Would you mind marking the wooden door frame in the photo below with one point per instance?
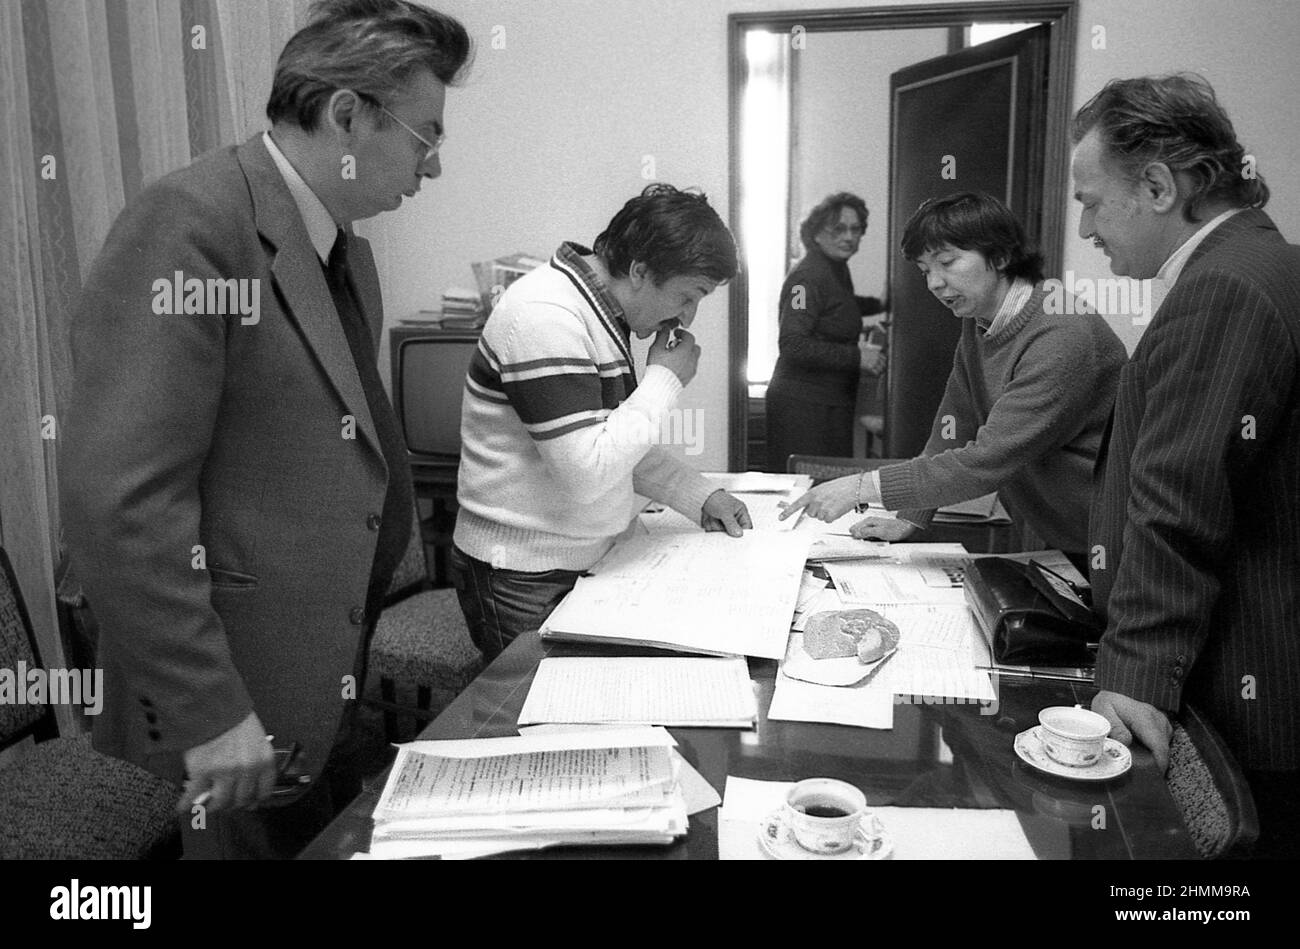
(1060, 15)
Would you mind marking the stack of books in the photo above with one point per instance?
(473, 798)
(493, 276)
(462, 309)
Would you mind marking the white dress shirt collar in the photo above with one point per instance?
(1017, 296)
(1173, 267)
(321, 228)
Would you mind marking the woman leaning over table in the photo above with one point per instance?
(814, 387)
(1032, 384)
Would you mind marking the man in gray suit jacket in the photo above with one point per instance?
(1196, 521)
(236, 490)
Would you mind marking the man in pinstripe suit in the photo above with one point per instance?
(1195, 525)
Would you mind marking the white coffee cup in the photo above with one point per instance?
(825, 814)
(1073, 736)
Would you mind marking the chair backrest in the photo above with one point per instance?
(1210, 790)
(18, 655)
(826, 467)
(412, 570)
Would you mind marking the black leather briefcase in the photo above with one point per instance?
(1030, 615)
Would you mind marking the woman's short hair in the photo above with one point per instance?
(372, 47)
(674, 233)
(973, 220)
(827, 214)
(1175, 120)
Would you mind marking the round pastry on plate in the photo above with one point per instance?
(839, 634)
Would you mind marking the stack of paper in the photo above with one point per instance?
(470, 798)
(686, 692)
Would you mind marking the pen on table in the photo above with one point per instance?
(201, 800)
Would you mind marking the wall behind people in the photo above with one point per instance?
(1246, 51)
(579, 96)
(842, 118)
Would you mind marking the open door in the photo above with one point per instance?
(970, 121)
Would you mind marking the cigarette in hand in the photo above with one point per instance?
(673, 338)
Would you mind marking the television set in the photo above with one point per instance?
(429, 366)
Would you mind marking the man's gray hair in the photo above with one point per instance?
(369, 46)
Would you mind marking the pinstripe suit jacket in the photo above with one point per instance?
(1197, 503)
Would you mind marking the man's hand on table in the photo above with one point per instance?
(235, 769)
(725, 512)
(1130, 718)
(882, 528)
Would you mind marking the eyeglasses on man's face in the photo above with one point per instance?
(431, 148)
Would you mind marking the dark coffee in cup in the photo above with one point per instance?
(824, 810)
(825, 814)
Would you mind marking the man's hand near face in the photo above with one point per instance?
(683, 359)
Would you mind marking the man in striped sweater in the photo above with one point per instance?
(1195, 523)
(559, 444)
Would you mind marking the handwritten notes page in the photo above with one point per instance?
(687, 692)
(936, 654)
(696, 592)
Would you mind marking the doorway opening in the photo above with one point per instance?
(812, 108)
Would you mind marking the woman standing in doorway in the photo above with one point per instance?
(814, 388)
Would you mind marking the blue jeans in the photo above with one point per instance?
(500, 604)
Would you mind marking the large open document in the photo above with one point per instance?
(697, 592)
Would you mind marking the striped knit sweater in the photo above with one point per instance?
(559, 445)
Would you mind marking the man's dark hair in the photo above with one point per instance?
(973, 220)
(674, 233)
(1175, 120)
(372, 47)
(827, 214)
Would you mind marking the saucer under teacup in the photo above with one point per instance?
(871, 842)
(1115, 759)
